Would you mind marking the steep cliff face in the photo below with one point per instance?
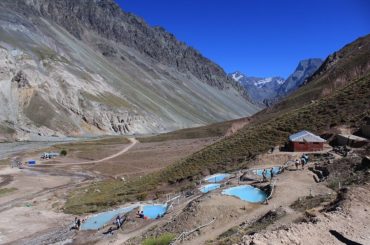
(85, 67)
(304, 70)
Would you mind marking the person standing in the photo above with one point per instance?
(264, 175)
(118, 222)
(272, 172)
(296, 164)
(78, 224)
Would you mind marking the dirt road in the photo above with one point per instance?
(132, 144)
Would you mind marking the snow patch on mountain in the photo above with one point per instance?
(237, 76)
(264, 81)
(267, 90)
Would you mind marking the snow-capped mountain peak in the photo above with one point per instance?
(262, 89)
(237, 76)
(262, 82)
(258, 88)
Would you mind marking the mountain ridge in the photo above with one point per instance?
(158, 42)
(268, 90)
(304, 69)
(89, 85)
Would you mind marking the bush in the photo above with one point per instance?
(63, 152)
(164, 239)
(141, 196)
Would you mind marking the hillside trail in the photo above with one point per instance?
(124, 150)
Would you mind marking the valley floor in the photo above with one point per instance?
(33, 198)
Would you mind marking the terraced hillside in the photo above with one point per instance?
(347, 103)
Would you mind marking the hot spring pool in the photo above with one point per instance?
(216, 178)
(275, 171)
(155, 210)
(209, 187)
(99, 220)
(246, 193)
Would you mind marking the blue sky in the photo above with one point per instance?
(258, 37)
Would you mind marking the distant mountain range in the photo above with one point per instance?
(268, 90)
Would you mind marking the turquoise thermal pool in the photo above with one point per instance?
(275, 171)
(97, 221)
(246, 193)
(209, 187)
(217, 178)
(154, 211)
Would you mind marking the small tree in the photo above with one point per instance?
(141, 196)
(63, 152)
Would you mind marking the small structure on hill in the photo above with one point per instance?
(350, 140)
(365, 129)
(305, 141)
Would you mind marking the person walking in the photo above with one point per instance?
(303, 161)
(296, 164)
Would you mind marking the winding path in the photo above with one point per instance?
(124, 150)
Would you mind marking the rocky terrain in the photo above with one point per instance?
(88, 68)
(269, 90)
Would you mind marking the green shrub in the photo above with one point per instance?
(141, 196)
(164, 239)
(63, 152)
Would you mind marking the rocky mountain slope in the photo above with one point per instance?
(86, 67)
(269, 90)
(339, 69)
(304, 70)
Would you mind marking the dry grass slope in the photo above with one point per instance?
(213, 130)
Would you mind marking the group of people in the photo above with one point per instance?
(118, 222)
(264, 174)
(76, 224)
(140, 214)
(303, 161)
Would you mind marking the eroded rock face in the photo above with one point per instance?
(108, 20)
(87, 68)
(21, 80)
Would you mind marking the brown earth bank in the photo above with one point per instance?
(348, 223)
